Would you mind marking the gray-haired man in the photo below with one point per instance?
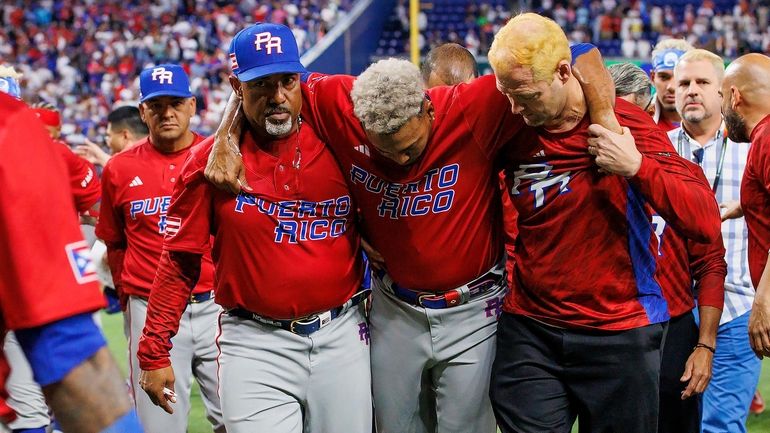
(633, 85)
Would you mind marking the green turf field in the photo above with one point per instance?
(113, 328)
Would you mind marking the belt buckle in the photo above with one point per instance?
(305, 321)
(192, 299)
(422, 296)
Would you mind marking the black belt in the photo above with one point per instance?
(197, 298)
(303, 325)
(451, 298)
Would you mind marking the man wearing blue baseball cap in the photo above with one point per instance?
(136, 192)
(294, 340)
(664, 57)
(9, 81)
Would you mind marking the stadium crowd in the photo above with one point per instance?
(626, 28)
(629, 28)
(85, 57)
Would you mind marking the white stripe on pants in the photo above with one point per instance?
(194, 354)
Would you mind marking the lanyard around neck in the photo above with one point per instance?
(721, 157)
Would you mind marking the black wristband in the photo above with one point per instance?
(705, 346)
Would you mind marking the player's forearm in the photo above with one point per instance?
(175, 279)
(115, 256)
(709, 324)
(683, 199)
(598, 88)
(708, 269)
(91, 397)
(229, 131)
(762, 294)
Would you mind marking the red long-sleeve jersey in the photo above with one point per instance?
(585, 256)
(681, 262)
(755, 199)
(285, 250)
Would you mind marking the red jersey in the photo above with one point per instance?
(288, 248)
(682, 262)
(46, 271)
(666, 125)
(755, 198)
(510, 230)
(585, 253)
(136, 193)
(436, 222)
(86, 188)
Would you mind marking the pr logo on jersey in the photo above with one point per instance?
(79, 256)
(539, 177)
(173, 224)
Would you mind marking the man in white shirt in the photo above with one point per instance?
(703, 140)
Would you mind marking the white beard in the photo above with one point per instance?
(278, 129)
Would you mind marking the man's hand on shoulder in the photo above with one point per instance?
(225, 165)
(615, 153)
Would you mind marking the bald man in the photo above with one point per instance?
(447, 65)
(746, 109)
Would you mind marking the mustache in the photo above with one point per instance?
(276, 110)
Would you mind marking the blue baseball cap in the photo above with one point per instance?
(666, 60)
(164, 80)
(10, 86)
(264, 49)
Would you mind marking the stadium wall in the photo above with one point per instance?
(346, 49)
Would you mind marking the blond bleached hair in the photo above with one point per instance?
(9, 72)
(696, 55)
(387, 94)
(530, 40)
(671, 44)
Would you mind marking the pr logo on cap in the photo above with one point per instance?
(270, 42)
(164, 80)
(264, 49)
(162, 75)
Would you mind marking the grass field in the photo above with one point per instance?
(113, 328)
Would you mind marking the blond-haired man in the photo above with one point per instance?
(575, 339)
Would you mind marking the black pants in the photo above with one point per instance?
(544, 377)
(677, 415)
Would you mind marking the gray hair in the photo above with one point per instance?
(630, 79)
(386, 95)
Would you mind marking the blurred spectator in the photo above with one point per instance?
(124, 128)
